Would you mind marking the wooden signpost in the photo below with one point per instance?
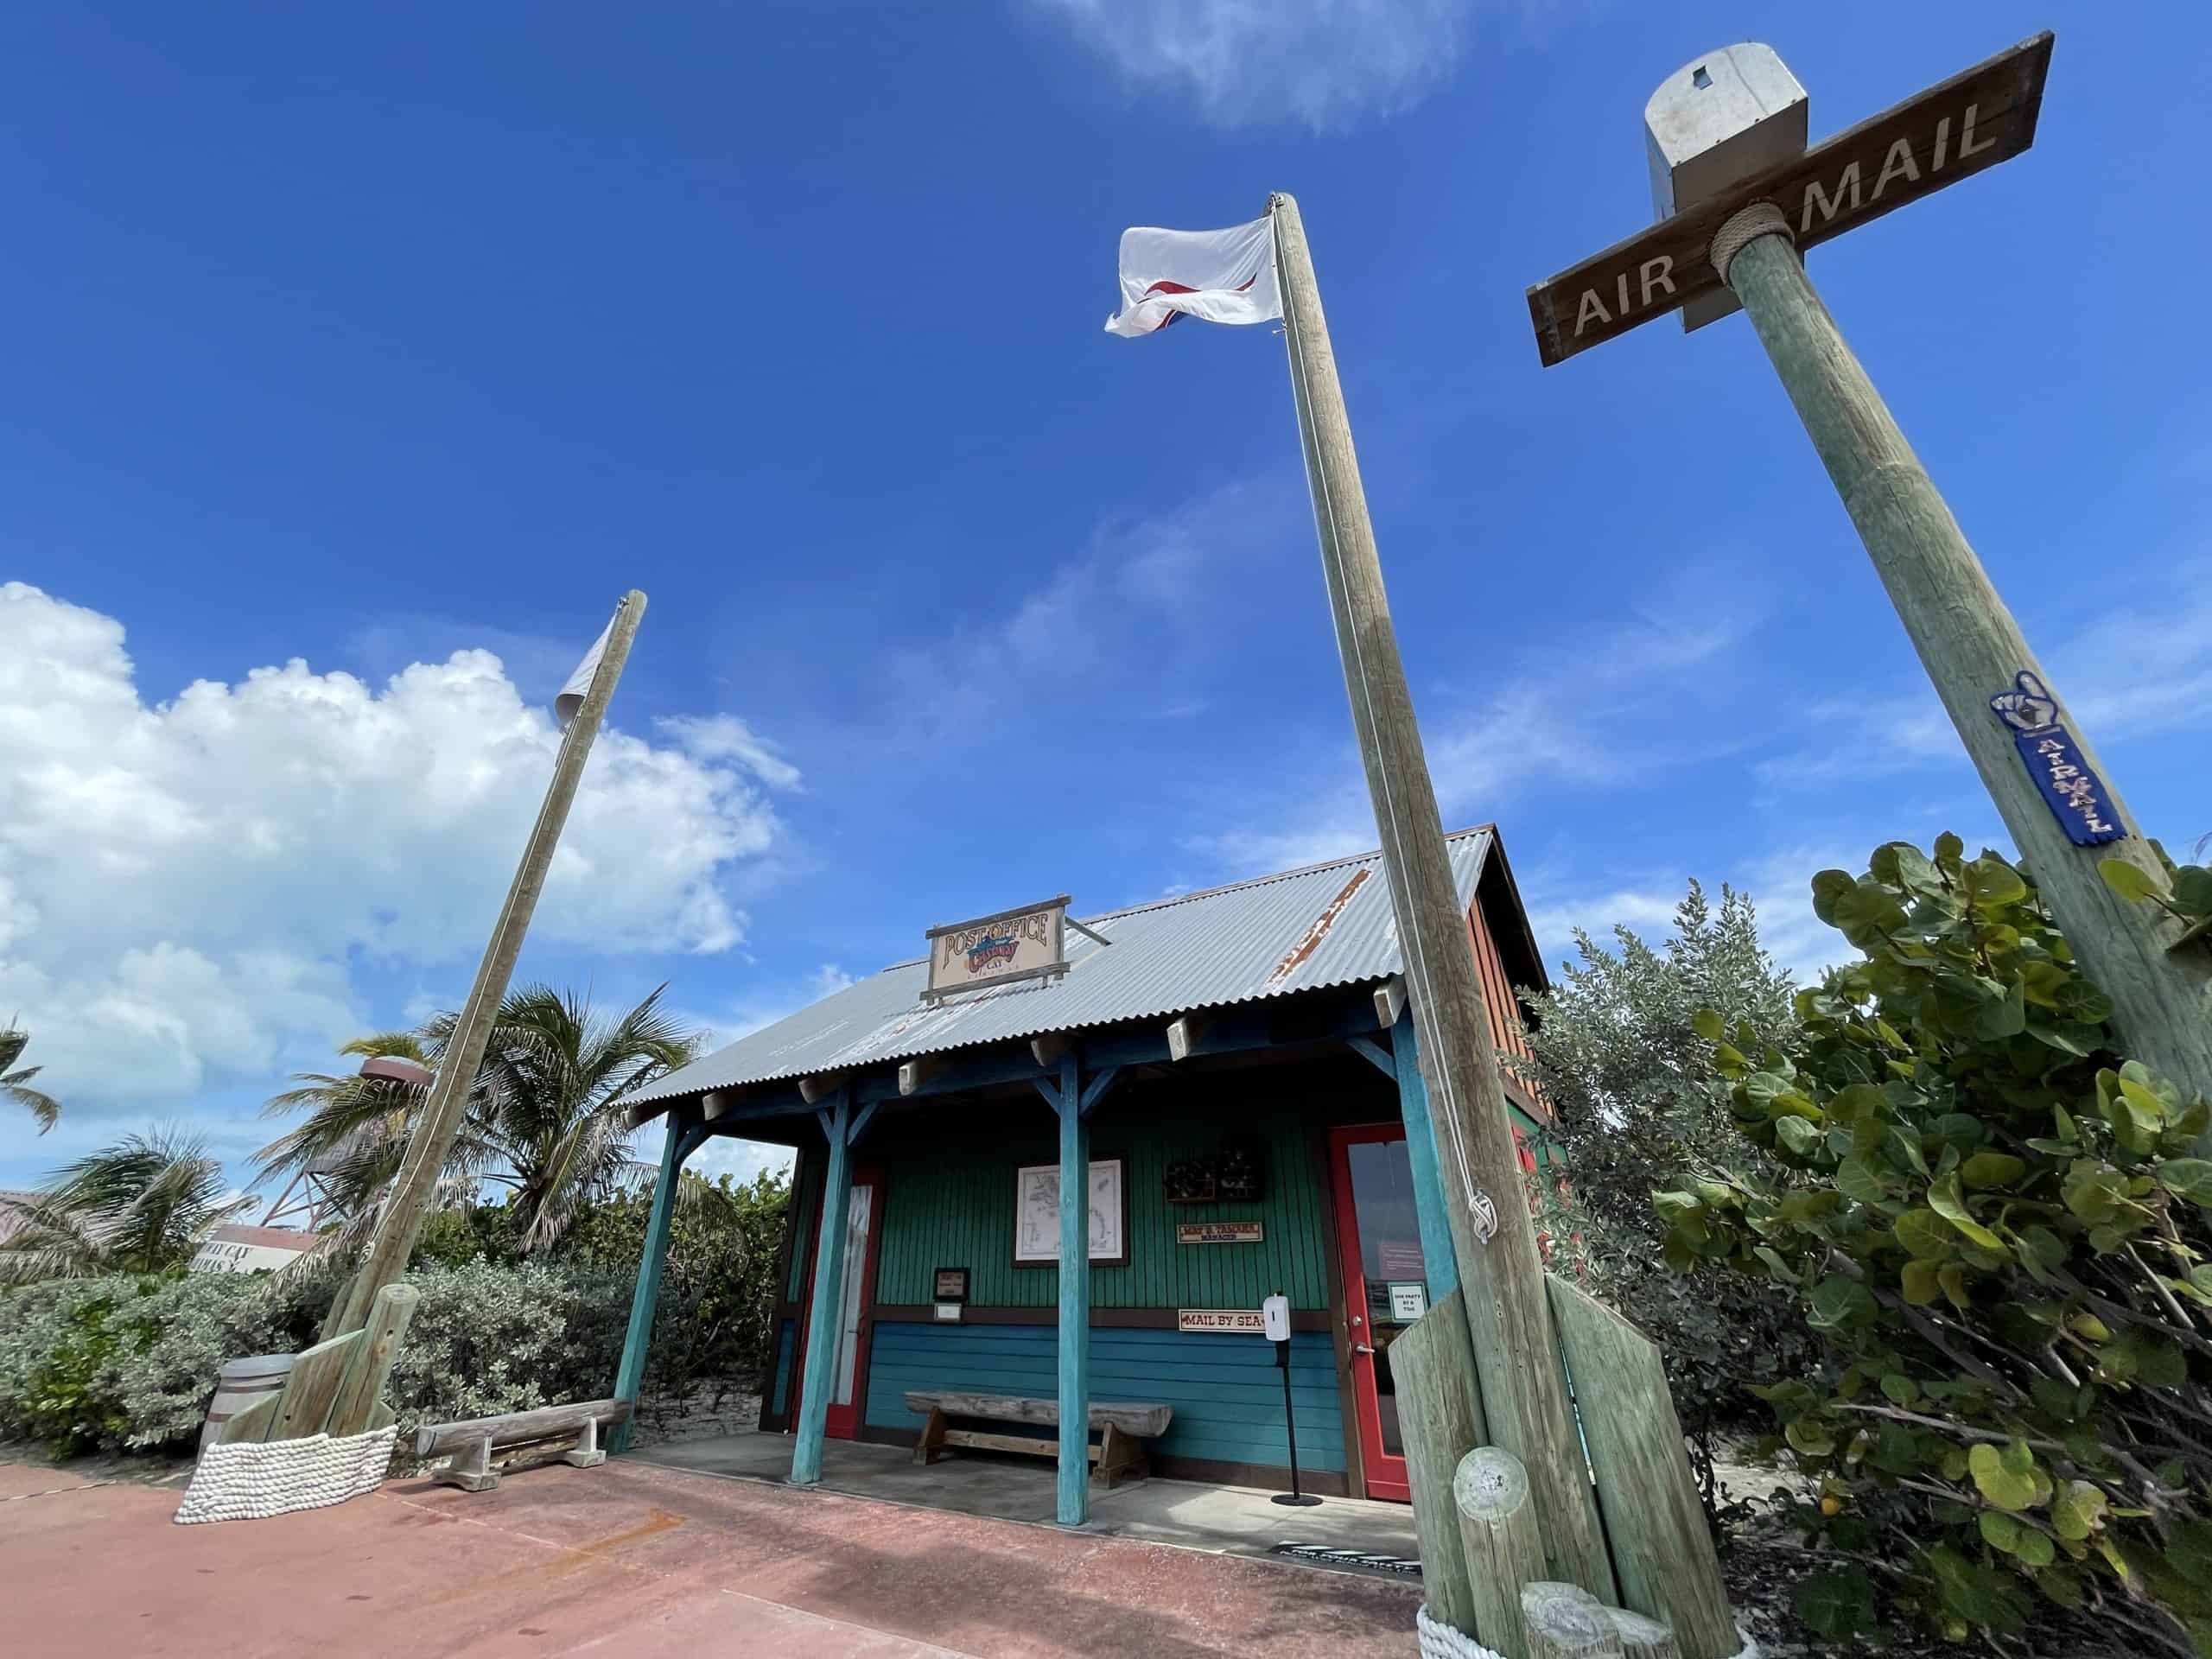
(2037, 765)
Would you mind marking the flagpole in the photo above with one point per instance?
(401, 1223)
(1501, 1272)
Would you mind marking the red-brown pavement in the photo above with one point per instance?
(629, 1559)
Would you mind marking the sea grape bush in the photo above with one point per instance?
(1996, 1224)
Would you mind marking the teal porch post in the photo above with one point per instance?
(1075, 1303)
(683, 1140)
(829, 1288)
(1443, 1267)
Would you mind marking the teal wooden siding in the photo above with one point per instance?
(950, 1178)
(779, 1371)
(1225, 1389)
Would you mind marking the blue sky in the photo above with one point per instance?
(359, 358)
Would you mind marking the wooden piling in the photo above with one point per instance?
(1663, 1557)
(1565, 1621)
(1502, 1536)
(1440, 1416)
(362, 1386)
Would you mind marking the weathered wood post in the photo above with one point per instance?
(1440, 1411)
(681, 1139)
(1740, 231)
(1565, 1621)
(401, 1223)
(1499, 1529)
(1501, 1271)
(828, 1291)
(1429, 1211)
(1662, 1551)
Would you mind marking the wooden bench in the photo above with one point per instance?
(1125, 1427)
(476, 1438)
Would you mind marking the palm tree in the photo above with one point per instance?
(143, 1205)
(14, 1083)
(548, 1119)
(545, 1120)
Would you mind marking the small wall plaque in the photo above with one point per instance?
(1244, 1321)
(952, 1285)
(1220, 1232)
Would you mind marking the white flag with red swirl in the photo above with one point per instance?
(1216, 276)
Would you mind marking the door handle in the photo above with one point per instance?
(1362, 1348)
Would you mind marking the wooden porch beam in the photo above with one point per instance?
(1390, 1001)
(914, 1073)
(1374, 1053)
(1095, 1088)
(1185, 1035)
(816, 1089)
(1048, 1049)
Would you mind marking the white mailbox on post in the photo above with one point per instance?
(1717, 120)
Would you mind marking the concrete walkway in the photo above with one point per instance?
(1230, 1520)
(631, 1559)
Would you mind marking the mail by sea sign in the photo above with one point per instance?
(1222, 1321)
(1015, 945)
(2071, 788)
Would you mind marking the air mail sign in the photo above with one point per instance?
(1015, 945)
(1969, 123)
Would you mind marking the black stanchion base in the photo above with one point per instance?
(1301, 1500)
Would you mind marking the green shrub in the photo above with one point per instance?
(1634, 1095)
(1999, 1232)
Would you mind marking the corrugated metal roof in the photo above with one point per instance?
(1303, 930)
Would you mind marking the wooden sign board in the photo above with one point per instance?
(951, 1285)
(1220, 1232)
(1235, 1321)
(1030, 942)
(1967, 123)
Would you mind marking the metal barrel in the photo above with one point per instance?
(242, 1383)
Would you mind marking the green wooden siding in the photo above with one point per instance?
(949, 1181)
(1225, 1390)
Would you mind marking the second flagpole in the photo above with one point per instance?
(1501, 1271)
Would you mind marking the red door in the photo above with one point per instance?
(852, 1321)
(1379, 1244)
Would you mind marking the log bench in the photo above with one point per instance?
(1126, 1426)
(472, 1442)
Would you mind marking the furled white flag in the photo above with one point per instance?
(1219, 276)
(570, 698)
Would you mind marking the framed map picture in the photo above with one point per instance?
(1036, 1214)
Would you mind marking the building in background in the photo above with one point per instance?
(1253, 1139)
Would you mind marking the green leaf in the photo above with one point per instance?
(1950, 849)
(1945, 1198)
(1953, 1278)
(1799, 1136)
(1994, 884)
(1924, 1234)
(1835, 1604)
(1856, 1178)
(1827, 886)
(1999, 1529)
(2034, 1547)
(1899, 1389)
(1997, 1485)
(1706, 1023)
(2126, 879)
(1987, 1169)
(2078, 1510)
(2193, 890)
(2188, 1178)
(1920, 1285)
(1809, 1436)
(1837, 1301)
(2007, 1017)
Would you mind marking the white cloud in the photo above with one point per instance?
(725, 1155)
(761, 1008)
(1324, 63)
(725, 737)
(185, 884)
